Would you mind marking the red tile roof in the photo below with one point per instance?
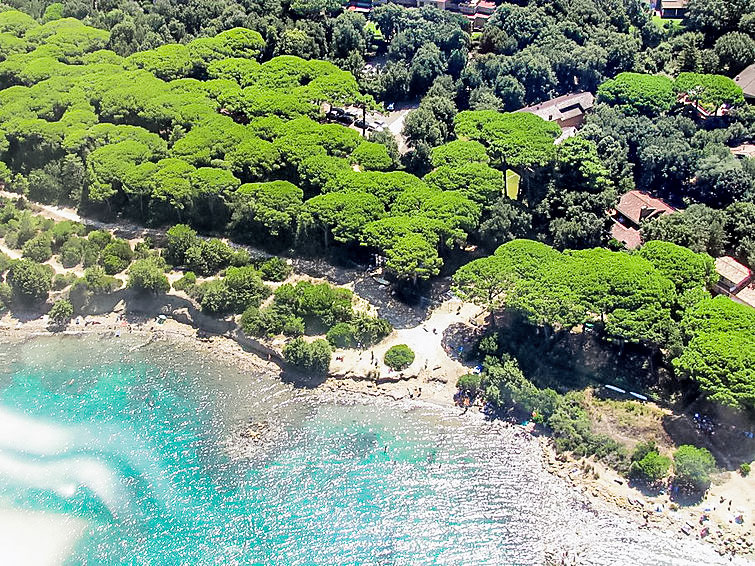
(630, 237)
(638, 206)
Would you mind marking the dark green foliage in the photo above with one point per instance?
(30, 282)
(647, 464)
(146, 275)
(237, 291)
(399, 357)
(693, 466)
(719, 346)
(62, 280)
(186, 282)
(637, 93)
(311, 357)
(275, 269)
(341, 335)
(61, 312)
(116, 256)
(470, 383)
(179, 239)
(207, 257)
(38, 248)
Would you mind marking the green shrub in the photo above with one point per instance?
(187, 281)
(63, 280)
(6, 295)
(693, 466)
(31, 282)
(4, 262)
(38, 248)
(116, 256)
(100, 238)
(275, 269)
(240, 258)
(399, 357)
(744, 469)
(470, 383)
(311, 357)
(179, 239)
(61, 312)
(65, 230)
(72, 252)
(651, 467)
(98, 282)
(341, 335)
(293, 326)
(207, 257)
(369, 330)
(146, 275)
(265, 322)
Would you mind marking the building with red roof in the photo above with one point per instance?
(634, 208)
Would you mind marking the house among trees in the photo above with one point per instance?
(735, 280)
(673, 8)
(568, 111)
(746, 81)
(634, 208)
(476, 11)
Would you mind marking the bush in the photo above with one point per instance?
(240, 258)
(399, 357)
(311, 357)
(6, 295)
(145, 275)
(98, 282)
(369, 330)
(342, 335)
(693, 466)
(72, 251)
(207, 257)
(266, 322)
(116, 256)
(275, 269)
(39, 248)
(31, 282)
(63, 280)
(652, 467)
(100, 238)
(65, 230)
(744, 469)
(179, 239)
(61, 312)
(186, 282)
(470, 383)
(293, 326)
(5, 262)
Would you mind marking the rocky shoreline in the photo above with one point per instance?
(601, 486)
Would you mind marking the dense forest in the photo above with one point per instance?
(212, 114)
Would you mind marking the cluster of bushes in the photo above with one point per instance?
(308, 308)
(312, 357)
(202, 257)
(503, 385)
(240, 289)
(40, 238)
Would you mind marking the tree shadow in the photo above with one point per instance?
(301, 380)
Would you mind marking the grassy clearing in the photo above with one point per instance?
(512, 184)
(628, 422)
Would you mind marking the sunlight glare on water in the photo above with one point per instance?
(137, 458)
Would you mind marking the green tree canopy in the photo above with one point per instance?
(638, 93)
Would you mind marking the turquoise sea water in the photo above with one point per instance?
(145, 447)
